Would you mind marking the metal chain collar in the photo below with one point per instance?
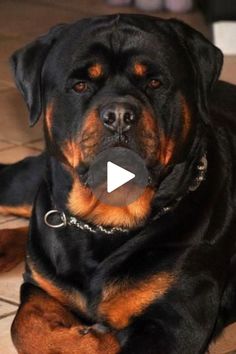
(201, 170)
(73, 221)
(65, 220)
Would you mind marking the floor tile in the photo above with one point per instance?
(5, 145)
(6, 308)
(14, 223)
(10, 283)
(5, 338)
(16, 153)
(14, 119)
(226, 342)
(4, 85)
(4, 219)
(38, 145)
(229, 69)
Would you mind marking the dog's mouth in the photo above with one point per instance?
(94, 141)
(143, 140)
(125, 207)
(154, 171)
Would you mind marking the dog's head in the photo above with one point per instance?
(123, 80)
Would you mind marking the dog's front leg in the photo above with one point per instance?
(182, 322)
(43, 326)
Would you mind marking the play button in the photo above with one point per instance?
(117, 176)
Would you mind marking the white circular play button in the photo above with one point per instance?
(118, 176)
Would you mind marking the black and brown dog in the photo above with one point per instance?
(168, 285)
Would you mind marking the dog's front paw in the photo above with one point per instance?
(12, 247)
(97, 339)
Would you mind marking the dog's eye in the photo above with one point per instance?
(80, 87)
(154, 84)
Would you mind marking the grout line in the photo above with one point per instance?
(17, 143)
(9, 301)
(34, 148)
(5, 89)
(35, 140)
(8, 219)
(7, 148)
(13, 146)
(7, 315)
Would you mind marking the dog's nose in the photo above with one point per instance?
(118, 117)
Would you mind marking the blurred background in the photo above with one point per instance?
(23, 20)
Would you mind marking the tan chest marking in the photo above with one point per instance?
(121, 302)
(73, 299)
(83, 203)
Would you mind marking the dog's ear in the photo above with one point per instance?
(207, 60)
(27, 64)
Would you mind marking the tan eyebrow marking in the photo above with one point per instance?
(95, 71)
(140, 69)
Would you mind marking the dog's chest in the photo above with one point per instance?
(105, 291)
(114, 303)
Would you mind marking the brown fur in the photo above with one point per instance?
(123, 301)
(166, 151)
(72, 153)
(140, 69)
(73, 299)
(85, 144)
(147, 133)
(12, 247)
(186, 117)
(90, 136)
(95, 71)
(155, 144)
(83, 203)
(53, 329)
(49, 119)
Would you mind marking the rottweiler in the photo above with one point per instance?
(156, 276)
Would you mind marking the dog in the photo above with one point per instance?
(157, 276)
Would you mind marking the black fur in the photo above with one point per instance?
(195, 241)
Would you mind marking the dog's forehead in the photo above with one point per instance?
(117, 42)
(117, 34)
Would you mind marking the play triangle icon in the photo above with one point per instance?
(117, 176)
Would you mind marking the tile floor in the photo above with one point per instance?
(20, 22)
